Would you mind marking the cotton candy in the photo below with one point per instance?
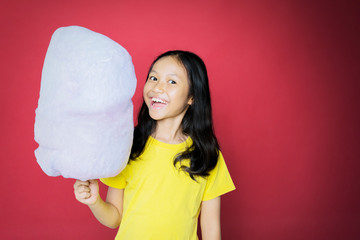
(84, 119)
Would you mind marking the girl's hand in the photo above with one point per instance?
(87, 192)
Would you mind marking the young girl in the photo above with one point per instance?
(176, 170)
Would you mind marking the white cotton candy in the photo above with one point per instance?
(84, 120)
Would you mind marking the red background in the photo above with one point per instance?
(284, 78)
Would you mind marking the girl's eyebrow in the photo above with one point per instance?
(173, 74)
(170, 74)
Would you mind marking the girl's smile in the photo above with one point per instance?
(166, 91)
(158, 103)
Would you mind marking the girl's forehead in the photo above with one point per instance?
(168, 63)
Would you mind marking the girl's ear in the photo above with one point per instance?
(190, 101)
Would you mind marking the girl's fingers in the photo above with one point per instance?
(79, 183)
(92, 181)
(84, 195)
(82, 188)
(85, 191)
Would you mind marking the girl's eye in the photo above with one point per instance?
(172, 82)
(152, 78)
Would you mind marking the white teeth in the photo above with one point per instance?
(157, 100)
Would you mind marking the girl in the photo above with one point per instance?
(175, 169)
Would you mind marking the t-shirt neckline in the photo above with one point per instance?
(187, 142)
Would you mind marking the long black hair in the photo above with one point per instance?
(197, 122)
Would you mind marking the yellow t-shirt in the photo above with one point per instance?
(161, 201)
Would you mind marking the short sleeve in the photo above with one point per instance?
(119, 181)
(219, 181)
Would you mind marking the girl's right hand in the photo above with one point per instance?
(87, 192)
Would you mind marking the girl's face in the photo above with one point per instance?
(166, 91)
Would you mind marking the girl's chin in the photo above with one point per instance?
(156, 117)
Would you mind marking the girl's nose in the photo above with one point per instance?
(159, 87)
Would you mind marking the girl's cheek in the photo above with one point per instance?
(145, 89)
(145, 92)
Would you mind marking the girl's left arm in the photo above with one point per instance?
(210, 219)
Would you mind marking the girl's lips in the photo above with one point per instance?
(158, 103)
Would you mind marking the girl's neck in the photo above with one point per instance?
(168, 132)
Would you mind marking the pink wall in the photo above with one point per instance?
(285, 84)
